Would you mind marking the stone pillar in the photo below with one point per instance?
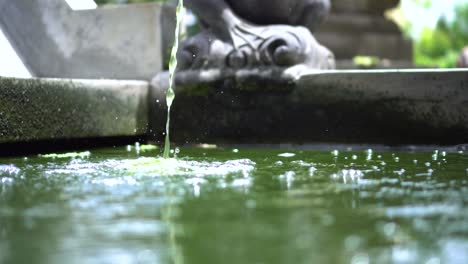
(358, 27)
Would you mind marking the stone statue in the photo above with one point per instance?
(253, 34)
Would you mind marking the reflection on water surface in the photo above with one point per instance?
(235, 206)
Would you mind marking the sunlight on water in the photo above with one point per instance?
(214, 205)
(171, 167)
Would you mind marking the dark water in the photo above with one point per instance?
(227, 206)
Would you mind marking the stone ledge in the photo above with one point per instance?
(368, 106)
(52, 109)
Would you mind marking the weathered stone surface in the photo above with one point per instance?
(389, 107)
(232, 39)
(53, 109)
(116, 42)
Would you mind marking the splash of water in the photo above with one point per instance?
(170, 95)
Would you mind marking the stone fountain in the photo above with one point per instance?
(256, 74)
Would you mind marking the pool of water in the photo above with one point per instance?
(226, 205)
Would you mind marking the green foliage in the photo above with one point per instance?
(366, 61)
(440, 47)
(423, 3)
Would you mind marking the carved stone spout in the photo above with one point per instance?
(253, 34)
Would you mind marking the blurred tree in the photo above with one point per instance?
(434, 46)
(423, 3)
(440, 47)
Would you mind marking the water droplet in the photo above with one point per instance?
(250, 204)
(289, 177)
(286, 155)
(196, 190)
(328, 219)
(312, 171)
(243, 182)
(6, 180)
(352, 243)
(9, 169)
(146, 256)
(433, 260)
(137, 148)
(354, 157)
(360, 258)
(389, 229)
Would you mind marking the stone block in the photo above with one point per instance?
(377, 106)
(54, 109)
(115, 42)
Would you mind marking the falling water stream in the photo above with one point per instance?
(170, 95)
